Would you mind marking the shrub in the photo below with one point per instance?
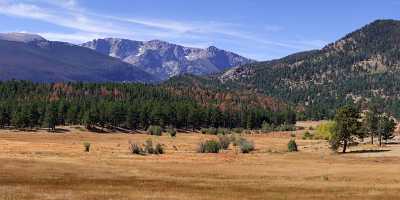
(209, 146)
(325, 130)
(86, 145)
(246, 146)
(292, 146)
(136, 149)
(286, 127)
(307, 136)
(223, 131)
(155, 130)
(212, 131)
(148, 146)
(158, 149)
(266, 127)
(224, 141)
(237, 130)
(203, 130)
(171, 132)
(235, 139)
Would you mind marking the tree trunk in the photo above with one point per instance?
(344, 146)
(372, 138)
(380, 139)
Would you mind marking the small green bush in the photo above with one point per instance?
(266, 127)
(86, 145)
(292, 146)
(325, 131)
(136, 149)
(158, 149)
(155, 130)
(209, 146)
(171, 132)
(286, 127)
(246, 146)
(148, 146)
(237, 130)
(212, 131)
(223, 131)
(307, 136)
(224, 141)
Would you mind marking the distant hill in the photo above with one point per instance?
(166, 60)
(361, 67)
(31, 57)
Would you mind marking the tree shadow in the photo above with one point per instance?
(60, 130)
(369, 151)
(96, 130)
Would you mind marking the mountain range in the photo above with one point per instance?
(165, 60)
(32, 57)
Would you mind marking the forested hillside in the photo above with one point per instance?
(363, 66)
(132, 106)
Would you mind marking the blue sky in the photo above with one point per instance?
(259, 29)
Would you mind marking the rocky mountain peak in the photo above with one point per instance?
(21, 37)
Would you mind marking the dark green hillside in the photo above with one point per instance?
(362, 66)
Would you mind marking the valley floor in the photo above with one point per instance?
(41, 165)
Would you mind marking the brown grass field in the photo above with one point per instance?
(41, 165)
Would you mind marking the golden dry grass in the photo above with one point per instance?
(44, 166)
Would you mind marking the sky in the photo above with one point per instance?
(258, 29)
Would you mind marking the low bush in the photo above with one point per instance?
(292, 146)
(224, 141)
(223, 131)
(266, 127)
(286, 127)
(159, 149)
(209, 146)
(155, 130)
(136, 149)
(246, 146)
(171, 132)
(325, 131)
(212, 131)
(307, 136)
(148, 146)
(86, 146)
(237, 130)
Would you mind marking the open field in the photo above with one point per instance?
(41, 165)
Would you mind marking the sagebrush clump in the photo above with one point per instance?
(86, 146)
(246, 146)
(292, 146)
(155, 130)
(136, 149)
(209, 146)
(148, 148)
(224, 141)
(171, 132)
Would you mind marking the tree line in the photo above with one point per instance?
(351, 126)
(27, 105)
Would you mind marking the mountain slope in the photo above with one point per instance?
(361, 67)
(166, 60)
(46, 61)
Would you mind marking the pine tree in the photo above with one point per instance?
(347, 126)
